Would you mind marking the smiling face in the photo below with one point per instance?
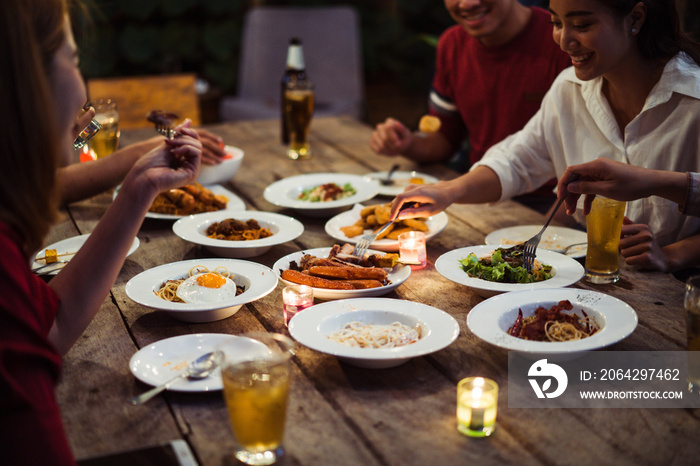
(490, 21)
(598, 43)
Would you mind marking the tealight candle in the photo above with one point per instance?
(477, 400)
(412, 248)
(296, 298)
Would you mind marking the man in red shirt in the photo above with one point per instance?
(492, 70)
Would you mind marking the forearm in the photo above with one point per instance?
(683, 254)
(670, 185)
(86, 280)
(428, 148)
(83, 180)
(478, 186)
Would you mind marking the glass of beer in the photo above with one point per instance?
(298, 110)
(604, 224)
(256, 390)
(692, 316)
(107, 139)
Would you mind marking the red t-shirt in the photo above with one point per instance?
(491, 92)
(30, 422)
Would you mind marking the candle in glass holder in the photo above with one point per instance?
(477, 399)
(412, 248)
(296, 298)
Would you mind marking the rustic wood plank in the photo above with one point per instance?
(340, 414)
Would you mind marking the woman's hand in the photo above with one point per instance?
(639, 248)
(174, 163)
(212, 147)
(82, 120)
(432, 199)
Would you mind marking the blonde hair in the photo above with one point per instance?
(31, 32)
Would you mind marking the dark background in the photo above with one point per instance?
(143, 37)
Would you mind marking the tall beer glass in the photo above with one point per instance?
(256, 389)
(298, 110)
(604, 224)
(107, 139)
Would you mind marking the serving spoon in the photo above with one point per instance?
(388, 181)
(200, 368)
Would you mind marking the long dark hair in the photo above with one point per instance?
(31, 32)
(661, 35)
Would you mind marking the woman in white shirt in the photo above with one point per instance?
(632, 95)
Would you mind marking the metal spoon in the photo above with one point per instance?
(200, 368)
(571, 246)
(388, 181)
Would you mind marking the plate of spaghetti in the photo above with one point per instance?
(201, 290)
(374, 333)
(552, 321)
(238, 234)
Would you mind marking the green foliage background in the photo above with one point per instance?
(139, 37)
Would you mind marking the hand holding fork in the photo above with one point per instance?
(532, 243)
(365, 242)
(164, 122)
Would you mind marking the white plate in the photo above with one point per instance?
(491, 319)
(157, 363)
(312, 326)
(257, 279)
(396, 276)
(224, 171)
(71, 245)
(567, 271)
(401, 180)
(553, 238)
(436, 224)
(234, 202)
(194, 227)
(285, 192)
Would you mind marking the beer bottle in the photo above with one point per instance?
(295, 73)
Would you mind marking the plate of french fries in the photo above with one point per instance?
(362, 220)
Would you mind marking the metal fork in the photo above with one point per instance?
(365, 242)
(532, 243)
(166, 130)
(163, 122)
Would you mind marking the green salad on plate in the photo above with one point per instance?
(505, 265)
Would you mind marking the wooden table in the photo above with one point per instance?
(340, 414)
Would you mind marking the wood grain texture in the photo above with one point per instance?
(340, 414)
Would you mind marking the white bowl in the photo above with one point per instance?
(396, 276)
(223, 172)
(435, 224)
(194, 227)
(400, 179)
(491, 319)
(285, 192)
(312, 326)
(257, 280)
(566, 271)
(68, 246)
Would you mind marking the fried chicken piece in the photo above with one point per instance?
(183, 202)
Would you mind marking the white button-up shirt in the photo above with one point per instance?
(575, 124)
